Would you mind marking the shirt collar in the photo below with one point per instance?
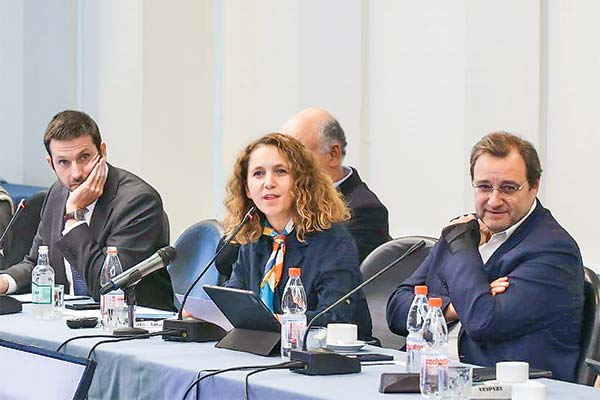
(511, 229)
(347, 174)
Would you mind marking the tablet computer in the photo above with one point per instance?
(243, 308)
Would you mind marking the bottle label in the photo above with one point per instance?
(435, 361)
(292, 333)
(41, 294)
(414, 346)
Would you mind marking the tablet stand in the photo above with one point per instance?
(9, 305)
(262, 343)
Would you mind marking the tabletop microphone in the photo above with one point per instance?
(196, 330)
(329, 363)
(134, 275)
(20, 207)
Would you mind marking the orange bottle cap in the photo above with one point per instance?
(421, 289)
(295, 272)
(435, 301)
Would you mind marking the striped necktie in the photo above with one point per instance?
(79, 286)
(274, 265)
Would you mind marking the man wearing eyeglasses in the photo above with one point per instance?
(509, 274)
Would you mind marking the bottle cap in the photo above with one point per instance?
(111, 250)
(295, 272)
(435, 301)
(43, 249)
(421, 289)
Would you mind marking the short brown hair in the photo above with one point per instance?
(499, 144)
(68, 125)
(318, 205)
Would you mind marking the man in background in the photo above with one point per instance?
(93, 205)
(322, 134)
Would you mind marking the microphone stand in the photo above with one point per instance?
(326, 363)
(193, 329)
(130, 330)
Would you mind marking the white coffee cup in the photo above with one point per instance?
(512, 371)
(341, 334)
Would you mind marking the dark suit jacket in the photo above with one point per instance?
(537, 319)
(369, 225)
(128, 215)
(329, 265)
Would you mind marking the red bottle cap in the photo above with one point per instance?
(435, 302)
(421, 289)
(295, 272)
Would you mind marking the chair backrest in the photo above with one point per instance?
(195, 247)
(20, 237)
(590, 329)
(379, 291)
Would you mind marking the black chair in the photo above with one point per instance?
(590, 330)
(20, 237)
(379, 291)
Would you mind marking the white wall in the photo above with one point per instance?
(571, 173)
(179, 87)
(11, 94)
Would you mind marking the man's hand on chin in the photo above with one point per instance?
(3, 285)
(484, 232)
(91, 189)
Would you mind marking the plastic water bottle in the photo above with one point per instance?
(434, 357)
(293, 322)
(414, 325)
(112, 304)
(42, 287)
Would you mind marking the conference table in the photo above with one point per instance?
(156, 369)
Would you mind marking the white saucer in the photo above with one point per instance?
(346, 347)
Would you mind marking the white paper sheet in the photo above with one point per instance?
(206, 310)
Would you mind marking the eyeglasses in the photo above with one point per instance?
(507, 189)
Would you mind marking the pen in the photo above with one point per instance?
(365, 363)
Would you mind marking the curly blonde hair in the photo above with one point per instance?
(318, 205)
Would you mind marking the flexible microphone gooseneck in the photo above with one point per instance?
(20, 207)
(323, 363)
(10, 305)
(192, 329)
(247, 217)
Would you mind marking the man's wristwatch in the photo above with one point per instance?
(77, 215)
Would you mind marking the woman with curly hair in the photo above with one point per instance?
(297, 225)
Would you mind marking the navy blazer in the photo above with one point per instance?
(329, 263)
(538, 318)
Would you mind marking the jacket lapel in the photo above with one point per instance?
(493, 265)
